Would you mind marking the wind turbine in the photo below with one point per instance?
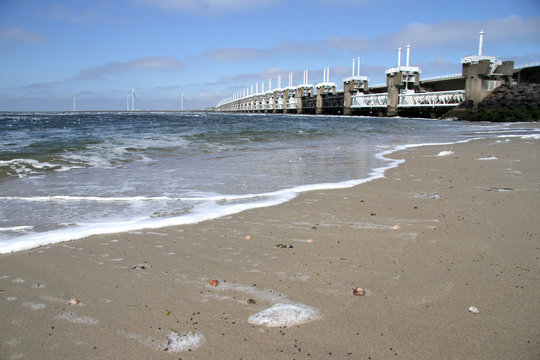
(73, 95)
(133, 99)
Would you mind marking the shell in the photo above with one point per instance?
(251, 301)
(214, 282)
(74, 302)
(249, 237)
(359, 291)
(474, 310)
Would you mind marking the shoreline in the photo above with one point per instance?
(434, 236)
(269, 199)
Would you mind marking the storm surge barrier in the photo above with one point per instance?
(404, 94)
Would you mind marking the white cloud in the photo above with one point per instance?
(16, 34)
(203, 6)
(155, 63)
(348, 43)
(461, 34)
(234, 54)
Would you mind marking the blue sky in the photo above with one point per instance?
(209, 49)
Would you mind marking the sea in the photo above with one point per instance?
(67, 176)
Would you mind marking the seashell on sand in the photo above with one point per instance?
(359, 291)
(474, 310)
(74, 302)
(214, 283)
(249, 237)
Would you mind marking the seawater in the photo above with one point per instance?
(66, 176)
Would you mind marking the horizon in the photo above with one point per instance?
(101, 52)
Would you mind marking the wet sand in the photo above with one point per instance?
(437, 235)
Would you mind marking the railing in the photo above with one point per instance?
(370, 100)
(432, 99)
(292, 103)
(441, 77)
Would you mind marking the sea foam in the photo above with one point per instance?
(284, 315)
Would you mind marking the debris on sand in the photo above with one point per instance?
(283, 246)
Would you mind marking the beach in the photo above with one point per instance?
(446, 247)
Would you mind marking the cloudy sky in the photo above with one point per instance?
(208, 49)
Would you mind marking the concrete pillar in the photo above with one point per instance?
(319, 104)
(299, 93)
(394, 83)
(351, 86)
(474, 74)
(285, 100)
(322, 90)
(348, 88)
(482, 74)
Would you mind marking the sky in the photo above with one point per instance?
(98, 51)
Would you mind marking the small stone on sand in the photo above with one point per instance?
(474, 310)
(249, 237)
(74, 302)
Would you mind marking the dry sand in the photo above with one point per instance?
(437, 235)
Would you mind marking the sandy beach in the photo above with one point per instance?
(453, 227)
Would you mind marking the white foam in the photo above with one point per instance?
(488, 158)
(445, 153)
(531, 136)
(183, 342)
(33, 306)
(175, 342)
(524, 137)
(16, 228)
(284, 315)
(213, 206)
(25, 167)
(73, 318)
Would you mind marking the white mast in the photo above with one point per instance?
(399, 57)
(408, 53)
(481, 43)
(73, 98)
(353, 63)
(358, 67)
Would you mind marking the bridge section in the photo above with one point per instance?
(404, 93)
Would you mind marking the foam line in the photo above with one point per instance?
(211, 208)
